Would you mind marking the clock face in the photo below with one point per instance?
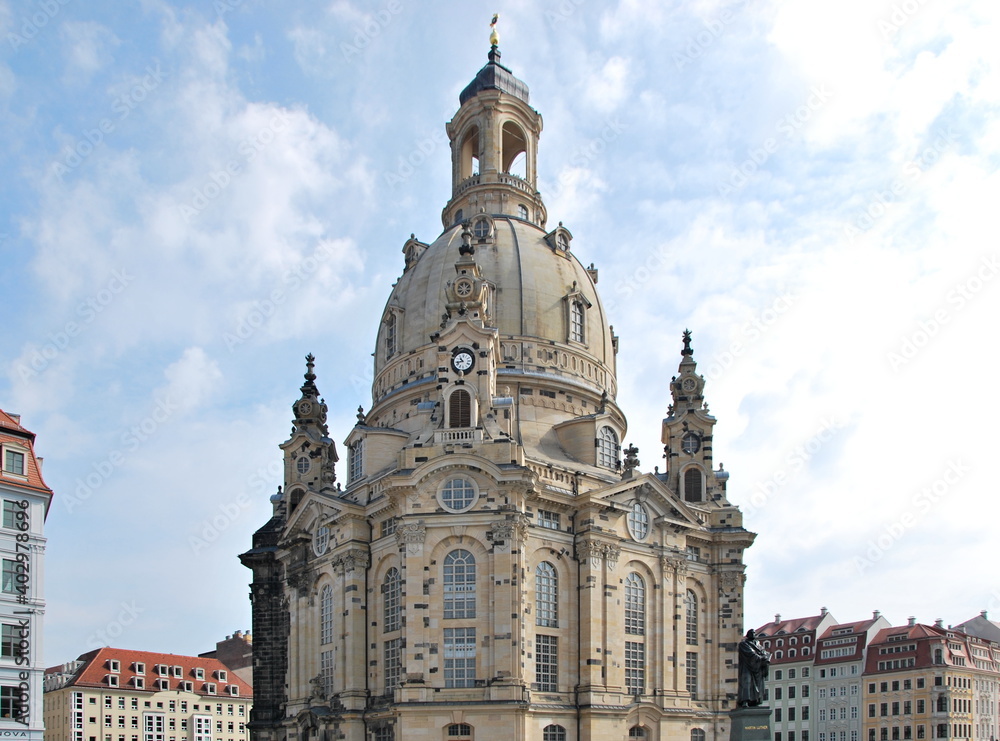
(689, 384)
(690, 443)
(462, 361)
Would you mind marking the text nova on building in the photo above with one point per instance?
(494, 567)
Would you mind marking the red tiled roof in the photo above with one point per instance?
(11, 431)
(95, 670)
(791, 626)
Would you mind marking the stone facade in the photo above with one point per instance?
(496, 565)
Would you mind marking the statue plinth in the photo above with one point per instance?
(751, 724)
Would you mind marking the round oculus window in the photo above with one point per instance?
(458, 495)
(638, 522)
(481, 229)
(463, 288)
(321, 540)
(690, 443)
(302, 465)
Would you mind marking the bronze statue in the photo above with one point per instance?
(753, 665)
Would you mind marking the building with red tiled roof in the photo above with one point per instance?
(930, 682)
(114, 694)
(792, 645)
(838, 665)
(25, 499)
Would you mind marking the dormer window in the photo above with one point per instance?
(199, 673)
(114, 665)
(139, 667)
(178, 672)
(210, 688)
(576, 332)
(357, 459)
(221, 675)
(112, 680)
(13, 462)
(163, 670)
(234, 690)
(607, 448)
(390, 335)
(139, 683)
(481, 228)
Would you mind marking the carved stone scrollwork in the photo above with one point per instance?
(611, 554)
(356, 558)
(672, 564)
(592, 550)
(510, 530)
(301, 580)
(732, 579)
(411, 536)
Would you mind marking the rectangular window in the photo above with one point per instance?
(153, 726)
(459, 657)
(12, 514)
(805, 712)
(854, 712)
(777, 715)
(895, 708)
(9, 583)
(393, 656)
(547, 663)
(791, 714)
(907, 707)
(691, 673)
(548, 519)
(325, 671)
(883, 709)
(895, 733)
(202, 728)
(920, 683)
(635, 667)
(791, 692)
(10, 702)
(14, 462)
(871, 710)
(777, 693)
(920, 732)
(10, 641)
(920, 707)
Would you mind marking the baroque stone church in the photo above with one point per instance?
(495, 565)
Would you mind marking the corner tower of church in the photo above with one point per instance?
(492, 564)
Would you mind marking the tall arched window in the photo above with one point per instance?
(553, 733)
(697, 734)
(392, 593)
(390, 336)
(691, 613)
(607, 448)
(576, 326)
(637, 732)
(692, 485)
(459, 732)
(546, 595)
(459, 585)
(460, 409)
(635, 605)
(326, 615)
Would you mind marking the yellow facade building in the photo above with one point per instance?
(113, 694)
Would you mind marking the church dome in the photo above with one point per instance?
(543, 302)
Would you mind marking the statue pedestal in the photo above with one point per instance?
(751, 724)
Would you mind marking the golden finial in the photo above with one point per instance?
(494, 36)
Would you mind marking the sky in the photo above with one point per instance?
(196, 195)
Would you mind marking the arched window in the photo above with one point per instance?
(553, 733)
(384, 734)
(635, 605)
(697, 734)
(515, 147)
(460, 409)
(326, 615)
(392, 594)
(390, 336)
(691, 613)
(470, 154)
(357, 459)
(576, 325)
(637, 732)
(522, 212)
(546, 596)
(692, 485)
(607, 448)
(459, 585)
(459, 732)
